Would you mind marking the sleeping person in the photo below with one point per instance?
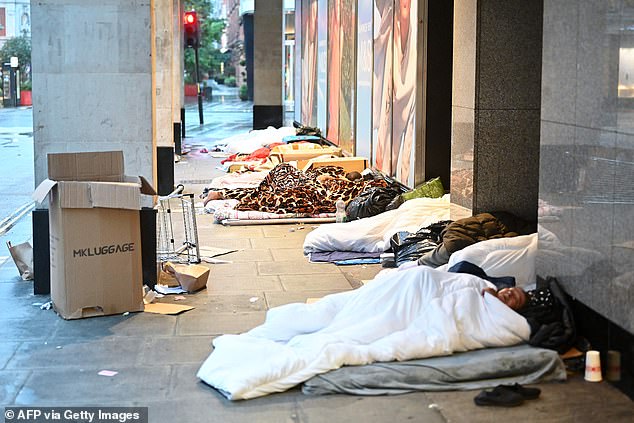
(287, 189)
(547, 311)
(418, 313)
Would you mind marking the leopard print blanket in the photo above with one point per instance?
(287, 189)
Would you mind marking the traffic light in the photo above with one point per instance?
(192, 30)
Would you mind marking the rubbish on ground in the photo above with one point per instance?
(37, 304)
(212, 260)
(166, 290)
(179, 298)
(59, 347)
(126, 313)
(215, 251)
(191, 277)
(253, 299)
(204, 150)
(108, 373)
(22, 255)
(46, 306)
(165, 308)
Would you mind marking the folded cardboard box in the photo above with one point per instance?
(95, 235)
(190, 277)
(349, 164)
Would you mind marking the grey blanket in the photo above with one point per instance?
(478, 369)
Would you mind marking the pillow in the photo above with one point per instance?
(513, 256)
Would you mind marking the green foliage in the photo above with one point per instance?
(20, 47)
(243, 92)
(25, 85)
(209, 55)
(230, 81)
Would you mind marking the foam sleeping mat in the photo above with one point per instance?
(477, 369)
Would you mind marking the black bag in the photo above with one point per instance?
(370, 202)
(409, 246)
(554, 328)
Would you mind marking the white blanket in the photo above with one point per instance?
(372, 234)
(417, 313)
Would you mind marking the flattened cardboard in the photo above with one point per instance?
(166, 308)
(93, 166)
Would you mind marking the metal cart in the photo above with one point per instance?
(175, 242)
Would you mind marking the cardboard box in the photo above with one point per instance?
(349, 164)
(95, 234)
(303, 151)
(190, 277)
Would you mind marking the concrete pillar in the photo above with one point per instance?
(267, 51)
(496, 105)
(92, 80)
(166, 38)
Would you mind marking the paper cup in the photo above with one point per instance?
(613, 373)
(593, 367)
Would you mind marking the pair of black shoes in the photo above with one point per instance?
(507, 395)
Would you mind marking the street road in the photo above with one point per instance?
(16, 176)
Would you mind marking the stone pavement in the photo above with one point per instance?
(47, 361)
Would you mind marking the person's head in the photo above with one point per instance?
(513, 297)
(353, 176)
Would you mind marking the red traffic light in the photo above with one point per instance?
(191, 29)
(190, 18)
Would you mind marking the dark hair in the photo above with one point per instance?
(354, 175)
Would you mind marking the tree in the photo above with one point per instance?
(211, 29)
(20, 47)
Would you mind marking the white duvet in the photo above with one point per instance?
(373, 234)
(417, 313)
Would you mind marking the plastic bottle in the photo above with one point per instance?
(340, 215)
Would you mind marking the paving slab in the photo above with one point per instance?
(77, 353)
(572, 401)
(7, 350)
(288, 241)
(275, 299)
(176, 349)
(11, 382)
(133, 324)
(280, 254)
(243, 283)
(25, 330)
(198, 322)
(230, 270)
(263, 254)
(335, 282)
(224, 302)
(132, 386)
(296, 267)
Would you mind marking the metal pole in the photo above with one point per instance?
(200, 97)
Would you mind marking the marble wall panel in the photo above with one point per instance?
(507, 170)
(559, 60)
(509, 54)
(595, 194)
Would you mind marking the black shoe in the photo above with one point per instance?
(500, 397)
(526, 393)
